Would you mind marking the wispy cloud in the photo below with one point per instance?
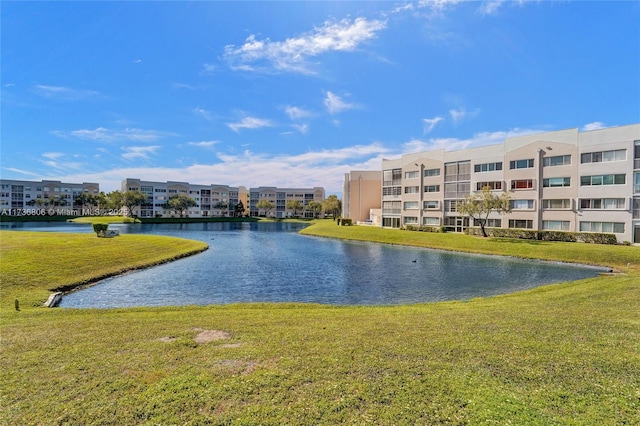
(302, 128)
(103, 134)
(430, 123)
(292, 55)
(203, 144)
(63, 93)
(143, 152)
(596, 125)
(201, 112)
(335, 104)
(460, 114)
(296, 113)
(250, 123)
(478, 139)
(20, 171)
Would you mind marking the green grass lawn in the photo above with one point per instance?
(561, 354)
(104, 219)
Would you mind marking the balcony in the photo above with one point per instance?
(636, 163)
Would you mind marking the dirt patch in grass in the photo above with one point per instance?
(210, 335)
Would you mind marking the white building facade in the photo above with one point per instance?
(211, 200)
(565, 180)
(49, 197)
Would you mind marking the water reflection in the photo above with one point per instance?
(271, 262)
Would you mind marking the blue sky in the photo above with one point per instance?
(295, 94)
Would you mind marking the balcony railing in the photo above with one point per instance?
(636, 213)
(636, 163)
(391, 211)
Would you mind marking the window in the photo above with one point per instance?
(432, 188)
(522, 184)
(457, 171)
(558, 160)
(432, 221)
(487, 167)
(556, 182)
(602, 203)
(430, 205)
(603, 180)
(604, 156)
(411, 205)
(160, 190)
(432, 172)
(490, 223)
(608, 227)
(521, 204)
(495, 185)
(457, 190)
(521, 223)
(391, 207)
(392, 190)
(392, 177)
(559, 204)
(411, 189)
(411, 175)
(410, 220)
(521, 164)
(555, 225)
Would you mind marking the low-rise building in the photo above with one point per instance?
(361, 193)
(210, 200)
(279, 198)
(49, 197)
(564, 180)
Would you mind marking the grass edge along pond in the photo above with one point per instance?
(559, 354)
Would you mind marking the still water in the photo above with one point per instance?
(271, 262)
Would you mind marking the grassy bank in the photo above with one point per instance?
(559, 354)
(36, 263)
(104, 219)
(590, 254)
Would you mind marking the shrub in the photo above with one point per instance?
(100, 229)
(531, 234)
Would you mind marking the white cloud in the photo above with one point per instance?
(63, 93)
(302, 128)
(201, 112)
(430, 123)
(292, 54)
(133, 152)
(296, 113)
(335, 104)
(204, 144)
(324, 168)
(22, 172)
(102, 134)
(596, 125)
(250, 123)
(53, 155)
(478, 139)
(457, 115)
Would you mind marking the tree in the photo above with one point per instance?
(265, 205)
(333, 206)
(480, 204)
(180, 203)
(221, 205)
(132, 199)
(238, 210)
(112, 200)
(294, 205)
(315, 207)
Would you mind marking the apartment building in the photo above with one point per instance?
(361, 193)
(563, 180)
(211, 200)
(279, 198)
(26, 197)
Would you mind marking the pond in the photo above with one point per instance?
(271, 262)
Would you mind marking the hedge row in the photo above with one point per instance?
(424, 228)
(529, 234)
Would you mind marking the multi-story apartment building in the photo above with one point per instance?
(24, 197)
(279, 198)
(361, 192)
(564, 180)
(211, 200)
